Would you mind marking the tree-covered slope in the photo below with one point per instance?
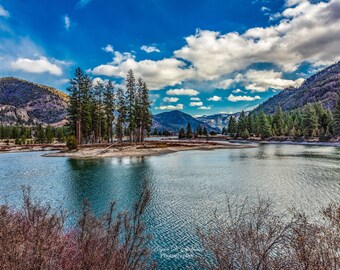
(175, 120)
(23, 102)
(322, 87)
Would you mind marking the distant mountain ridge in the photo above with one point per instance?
(175, 120)
(322, 87)
(24, 102)
(218, 121)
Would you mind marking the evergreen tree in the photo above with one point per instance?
(146, 113)
(181, 134)
(232, 126)
(310, 121)
(131, 98)
(241, 124)
(121, 117)
(278, 121)
(336, 120)
(205, 131)
(188, 131)
(109, 107)
(264, 126)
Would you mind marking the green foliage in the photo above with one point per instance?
(264, 126)
(72, 143)
(181, 134)
(336, 122)
(188, 131)
(92, 109)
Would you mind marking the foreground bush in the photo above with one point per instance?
(254, 236)
(34, 237)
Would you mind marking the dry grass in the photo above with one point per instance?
(254, 236)
(34, 237)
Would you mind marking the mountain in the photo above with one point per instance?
(23, 102)
(175, 120)
(218, 121)
(324, 86)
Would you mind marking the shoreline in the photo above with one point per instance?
(149, 148)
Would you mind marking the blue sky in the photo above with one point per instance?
(202, 56)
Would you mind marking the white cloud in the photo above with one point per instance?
(262, 80)
(170, 107)
(149, 49)
(196, 104)
(67, 22)
(214, 98)
(265, 9)
(205, 108)
(236, 91)
(233, 98)
(297, 38)
(3, 12)
(40, 65)
(195, 99)
(182, 92)
(108, 48)
(157, 74)
(224, 84)
(170, 99)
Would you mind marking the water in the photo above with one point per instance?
(186, 186)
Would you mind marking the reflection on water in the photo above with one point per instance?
(186, 186)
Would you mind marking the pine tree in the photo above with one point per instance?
(232, 126)
(181, 134)
(131, 98)
(109, 107)
(146, 113)
(264, 126)
(121, 117)
(241, 124)
(278, 121)
(336, 118)
(310, 121)
(188, 131)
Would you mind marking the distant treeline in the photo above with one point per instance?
(35, 134)
(100, 111)
(310, 121)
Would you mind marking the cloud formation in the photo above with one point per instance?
(149, 49)
(171, 107)
(182, 92)
(262, 80)
(196, 104)
(40, 65)
(214, 98)
(233, 98)
(3, 12)
(170, 99)
(67, 22)
(108, 48)
(158, 74)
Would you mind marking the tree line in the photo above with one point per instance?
(33, 134)
(310, 121)
(100, 111)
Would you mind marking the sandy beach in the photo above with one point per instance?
(146, 149)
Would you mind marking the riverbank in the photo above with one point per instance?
(31, 148)
(149, 148)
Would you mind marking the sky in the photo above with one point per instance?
(199, 56)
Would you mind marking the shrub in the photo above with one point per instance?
(72, 143)
(34, 237)
(256, 237)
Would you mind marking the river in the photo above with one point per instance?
(186, 186)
